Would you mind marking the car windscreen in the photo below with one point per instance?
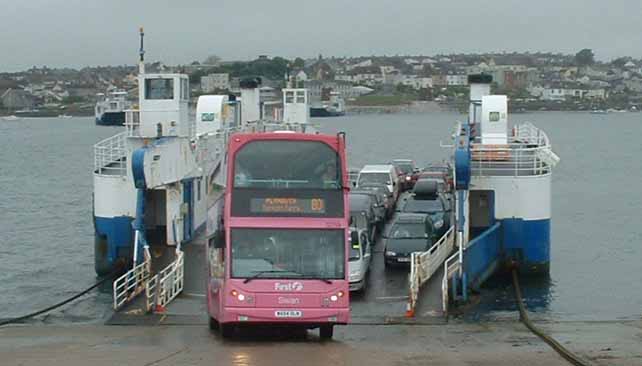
(408, 231)
(405, 168)
(378, 178)
(424, 206)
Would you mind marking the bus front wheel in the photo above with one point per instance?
(227, 330)
(326, 332)
(213, 324)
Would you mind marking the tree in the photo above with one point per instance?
(298, 63)
(585, 57)
(621, 61)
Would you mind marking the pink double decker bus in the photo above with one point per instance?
(278, 254)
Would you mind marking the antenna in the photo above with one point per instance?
(141, 61)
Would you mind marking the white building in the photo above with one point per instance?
(214, 82)
(456, 80)
(417, 82)
(553, 94)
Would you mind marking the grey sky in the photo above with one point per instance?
(91, 32)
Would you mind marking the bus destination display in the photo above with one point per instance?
(287, 205)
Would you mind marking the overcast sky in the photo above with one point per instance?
(91, 32)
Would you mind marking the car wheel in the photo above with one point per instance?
(326, 332)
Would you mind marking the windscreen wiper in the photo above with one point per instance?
(259, 273)
(299, 275)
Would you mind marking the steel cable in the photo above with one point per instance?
(523, 316)
(64, 302)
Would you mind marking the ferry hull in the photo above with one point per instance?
(113, 243)
(527, 243)
(111, 119)
(324, 112)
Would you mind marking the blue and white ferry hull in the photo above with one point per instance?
(522, 206)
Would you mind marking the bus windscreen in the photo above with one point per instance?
(288, 253)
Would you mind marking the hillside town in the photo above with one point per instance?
(533, 81)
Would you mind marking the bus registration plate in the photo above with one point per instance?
(288, 314)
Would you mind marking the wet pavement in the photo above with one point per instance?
(498, 343)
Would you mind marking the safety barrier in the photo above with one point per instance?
(110, 155)
(528, 152)
(170, 281)
(132, 283)
(424, 264)
(150, 293)
(451, 267)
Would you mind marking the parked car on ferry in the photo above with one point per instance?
(362, 213)
(426, 199)
(379, 197)
(408, 172)
(381, 174)
(410, 232)
(359, 259)
(441, 170)
(385, 197)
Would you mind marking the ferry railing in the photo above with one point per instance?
(170, 281)
(151, 292)
(423, 265)
(130, 284)
(452, 267)
(528, 152)
(110, 155)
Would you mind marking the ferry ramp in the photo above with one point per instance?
(384, 301)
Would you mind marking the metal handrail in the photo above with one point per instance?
(171, 280)
(110, 155)
(423, 265)
(528, 152)
(451, 267)
(130, 284)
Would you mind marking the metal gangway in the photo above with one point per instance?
(424, 265)
(160, 288)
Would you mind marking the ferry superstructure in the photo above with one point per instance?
(110, 109)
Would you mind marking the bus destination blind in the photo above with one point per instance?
(287, 205)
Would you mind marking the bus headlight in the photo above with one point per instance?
(390, 253)
(438, 224)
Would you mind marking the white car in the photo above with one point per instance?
(381, 174)
(359, 260)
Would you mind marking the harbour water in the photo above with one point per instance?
(46, 230)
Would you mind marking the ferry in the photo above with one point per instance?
(333, 107)
(110, 108)
(204, 229)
